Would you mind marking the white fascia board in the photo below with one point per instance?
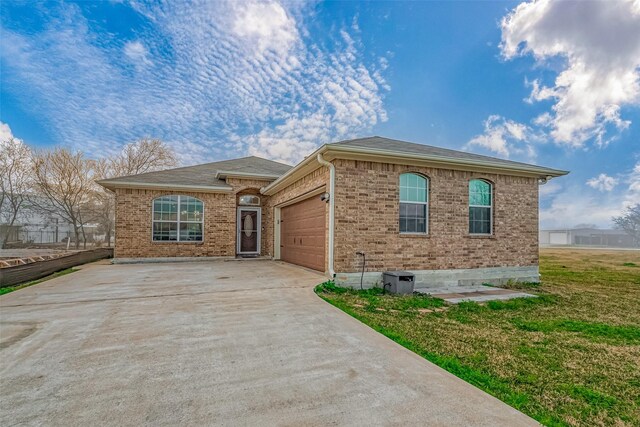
(532, 169)
(156, 186)
(391, 156)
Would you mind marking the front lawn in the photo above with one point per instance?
(569, 357)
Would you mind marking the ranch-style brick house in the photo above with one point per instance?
(447, 216)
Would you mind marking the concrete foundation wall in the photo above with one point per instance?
(451, 277)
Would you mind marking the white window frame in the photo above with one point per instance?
(490, 233)
(249, 204)
(177, 221)
(426, 204)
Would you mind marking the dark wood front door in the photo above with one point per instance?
(248, 230)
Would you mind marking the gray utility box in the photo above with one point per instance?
(398, 282)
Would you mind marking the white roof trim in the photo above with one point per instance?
(392, 156)
(157, 186)
(450, 160)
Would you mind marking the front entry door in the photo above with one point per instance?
(249, 230)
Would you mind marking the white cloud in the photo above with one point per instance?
(6, 134)
(137, 53)
(266, 26)
(226, 79)
(573, 205)
(603, 182)
(599, 42)
(549, 188)
(632, 196)
(505, 137)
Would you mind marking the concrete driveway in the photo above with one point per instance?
(213, 343)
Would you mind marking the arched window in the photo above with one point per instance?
(480, 207)
(414, 206)
(177, 218)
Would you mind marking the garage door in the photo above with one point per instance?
(302, 233)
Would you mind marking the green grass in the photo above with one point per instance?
(8, 289)
(625, 334)
(375, 300)
(570, 357)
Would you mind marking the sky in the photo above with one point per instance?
(555, 83)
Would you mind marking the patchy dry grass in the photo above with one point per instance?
(569, 357)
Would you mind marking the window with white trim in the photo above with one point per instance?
(480, 207)
(178, 219)
(249, 200)
(414, 201)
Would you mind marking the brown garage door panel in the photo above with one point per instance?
(303, 231)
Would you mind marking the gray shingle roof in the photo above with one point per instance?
(397, 146)
(205, 174)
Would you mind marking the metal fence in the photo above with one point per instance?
(46, 236)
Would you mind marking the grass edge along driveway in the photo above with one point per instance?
(570, 357)
(7, 289)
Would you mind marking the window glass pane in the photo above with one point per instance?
(249, 200)
(165, 231)
(165, 208)
(413, 188)
(413, 218)
(415, 196)
(190, 209)
(191, 232)
(404, 194)
(479, 220)
(479, 193)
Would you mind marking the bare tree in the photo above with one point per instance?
(15, 183)
(629, 221)
(103, 201)
(144, 155)
(64, 181)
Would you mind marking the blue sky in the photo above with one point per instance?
(552, 83)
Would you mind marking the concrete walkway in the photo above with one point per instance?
(213, 343)
(480, 293)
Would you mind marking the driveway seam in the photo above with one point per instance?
(153, 296)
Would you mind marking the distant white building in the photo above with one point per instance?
(35, 227)
(586, 237)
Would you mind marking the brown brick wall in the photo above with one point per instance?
(367, 211)
(133, 223)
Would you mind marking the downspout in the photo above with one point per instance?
(332, 205)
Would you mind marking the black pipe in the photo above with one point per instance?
(364, 262)
(384, 287)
